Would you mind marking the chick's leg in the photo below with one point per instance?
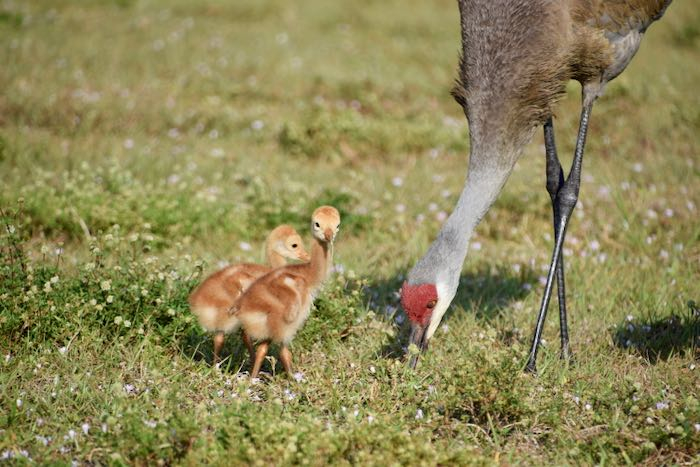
(260, 354)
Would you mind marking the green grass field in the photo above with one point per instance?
(143, 143)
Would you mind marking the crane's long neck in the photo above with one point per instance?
(489, 168)
(272, 258)
(321, 259)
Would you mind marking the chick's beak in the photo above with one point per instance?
(304, 256)
(419, 339)
(328, 233)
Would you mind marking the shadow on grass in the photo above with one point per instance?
(485, 293)
(659, 339)
(198, 346)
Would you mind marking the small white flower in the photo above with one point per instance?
(397, 181)
(637, 167)
(400, 208)
(19, 403)
(257, 125)
(370, 419)
(476, 246)
(150, 423)
(106, 285)
(245, 246)
(697, 427)
(85, 427)
(129, 388)
(372, 369)
(419, 414)
(128, 143)
(71, 434)
(588, 406)
(281, 38)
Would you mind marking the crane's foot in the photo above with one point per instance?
(531, 367)
(567, 355)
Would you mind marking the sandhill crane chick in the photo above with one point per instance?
(276, 306)
(212, 300)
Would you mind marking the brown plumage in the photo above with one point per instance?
(214, 297)
(275, 307)
(518, 55)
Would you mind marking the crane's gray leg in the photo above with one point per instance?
(565, 201)
(555, 180)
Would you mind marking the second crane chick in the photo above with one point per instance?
(275, 307)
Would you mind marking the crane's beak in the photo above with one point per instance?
(419, 339)
(305, 257)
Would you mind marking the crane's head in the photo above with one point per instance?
(325, 222)
(424, 304)
(286, 242)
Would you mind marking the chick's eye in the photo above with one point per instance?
(431, 304)
(294, 245)
(317, 225)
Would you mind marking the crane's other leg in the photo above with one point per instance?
(219, 339)
(286, 358)
(565, 200)
(260, 354)
(555, 180)
(248, 345)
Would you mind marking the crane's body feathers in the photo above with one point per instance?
(517, 57)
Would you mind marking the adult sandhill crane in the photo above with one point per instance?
(517, 56)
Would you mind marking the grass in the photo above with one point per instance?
(144, 142)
